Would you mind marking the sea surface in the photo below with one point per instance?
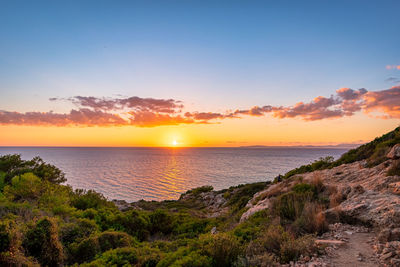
(132, 174)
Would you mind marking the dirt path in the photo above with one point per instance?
(356, 252)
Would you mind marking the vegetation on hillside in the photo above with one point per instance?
(374, 152)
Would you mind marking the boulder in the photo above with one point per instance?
(394, 153)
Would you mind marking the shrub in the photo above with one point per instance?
(87, 249)
(289, 206)
(110, 240)
(276, 241)
(187, 226)
(13, 165)
(77, 230)
(84, 251)
(148, 256)
(199, 190)
(224, 249)
(117, 257)
(160, 221)
(194, 259)
(304, 188)
(25, 187)
(320, 164)
(42, 243)
(335, 197)
(136, 224)
(292, 248)
(272, 239)
(90, 199)
(312, 220)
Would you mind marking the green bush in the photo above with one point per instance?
(185, 257)
(90, 199)
(289, 206)
(304, 188)
(110, 240)
(224, 249)
(25, 187)
(136, 224)
(87, 249)
(320, 164)
(188, 226)
(193, 259)
(77, 230)
(199, 190)
(160, 221)
(117, 257)
(13, 165)
(42, 242)
(84, 251)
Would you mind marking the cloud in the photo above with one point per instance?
(81, 117)
(150, 112)
(132, 103)
(206, 116)
(393, 67)
(150, 119)
(393, 80)
(385, 101)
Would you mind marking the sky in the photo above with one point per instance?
(198, 73)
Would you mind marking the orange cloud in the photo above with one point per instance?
(392, 67)
(149, 112)
(386, 101)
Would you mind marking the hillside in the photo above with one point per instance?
(306, 218)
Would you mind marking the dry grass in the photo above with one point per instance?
(335, 198)
(317, 181)
(313, 219)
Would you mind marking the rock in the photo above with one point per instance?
(387, 235)
(384, 235)
(395, 262)
(261, 205)
(394, 153)
(348, 232)
(386, 256)
(360, 257)
(332, 215)
(214, 230)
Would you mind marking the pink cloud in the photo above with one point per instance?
(150, 112)
(81, 117)
(385, 101)
(393, 67)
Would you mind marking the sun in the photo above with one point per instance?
(174, 143)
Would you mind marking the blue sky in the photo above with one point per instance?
(211, 55)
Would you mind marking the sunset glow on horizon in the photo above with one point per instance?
(198, 74)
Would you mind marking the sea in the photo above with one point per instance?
(133, 174)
